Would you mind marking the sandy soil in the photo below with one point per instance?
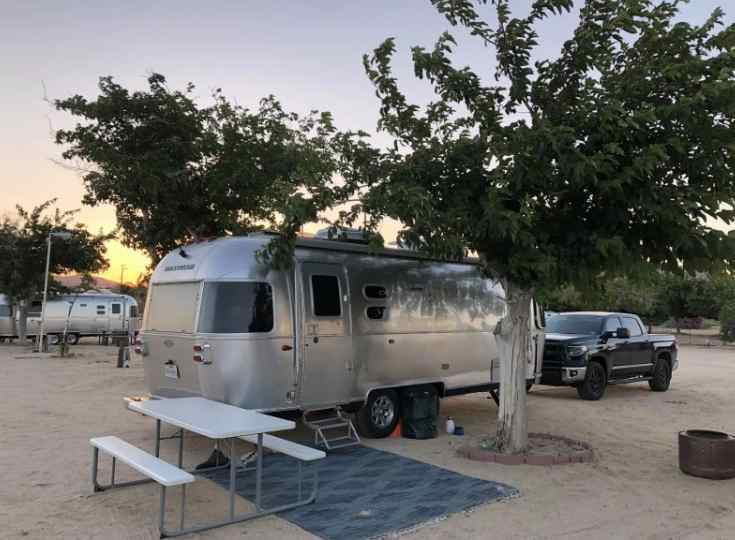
(634, 489)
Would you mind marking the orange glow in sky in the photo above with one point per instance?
(308, 54)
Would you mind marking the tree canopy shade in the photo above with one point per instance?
(23, 243)
(176, 171)
(607, 157)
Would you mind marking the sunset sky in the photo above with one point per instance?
(307, 53)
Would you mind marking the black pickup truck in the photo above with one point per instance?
(589, 350)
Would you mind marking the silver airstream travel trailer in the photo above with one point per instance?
(84, 315)
(7, 320)
(345, 326)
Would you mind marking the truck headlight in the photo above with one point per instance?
(577, 350)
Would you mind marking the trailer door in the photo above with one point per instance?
(327, 367)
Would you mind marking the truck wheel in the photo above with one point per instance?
(661, 378)
(595, 381)
(378, 417)
(72, 339)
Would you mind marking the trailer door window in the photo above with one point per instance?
(326, 296)
(133, 311)
(172, 307)
(116, 309)
(232, 307)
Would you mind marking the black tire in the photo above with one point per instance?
(72, 339)
(378, 417)
(661, 377)
(595, 382)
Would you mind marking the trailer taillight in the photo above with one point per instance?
(197, 348)
(198, 359)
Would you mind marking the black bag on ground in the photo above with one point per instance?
(419, 412)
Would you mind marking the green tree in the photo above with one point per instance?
(176, 171)
(23, 244)
(605, 158)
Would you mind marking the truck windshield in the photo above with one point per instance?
(574, 324)
(231, 307)
(172, 307)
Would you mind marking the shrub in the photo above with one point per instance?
(690, 323)
(727, 322)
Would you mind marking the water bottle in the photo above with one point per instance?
(450, 425)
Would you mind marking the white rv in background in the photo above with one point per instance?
(85, 315)
(7, 319)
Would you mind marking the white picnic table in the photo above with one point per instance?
(219, 422)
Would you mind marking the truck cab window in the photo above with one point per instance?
(116, 309)
(633, 326)
(326, 296)
(231, 307)
(611, 325)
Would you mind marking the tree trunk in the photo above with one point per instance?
(22, 321)
(513, 339)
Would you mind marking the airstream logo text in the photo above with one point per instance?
(178, 267)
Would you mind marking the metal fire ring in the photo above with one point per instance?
(707, 454)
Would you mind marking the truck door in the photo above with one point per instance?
(640, 357)
(327, 362)
(618, 348)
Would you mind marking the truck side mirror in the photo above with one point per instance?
(622, 333)
(607, 334)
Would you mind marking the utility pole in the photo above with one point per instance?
(122, 274)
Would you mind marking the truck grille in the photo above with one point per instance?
(554, 355)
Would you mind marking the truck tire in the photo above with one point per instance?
(661, 377)
(378, 417)
(72, 339)
(595, 381)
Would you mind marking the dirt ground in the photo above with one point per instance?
(633, 489)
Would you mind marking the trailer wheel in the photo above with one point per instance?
(72, 339)
(378, 417)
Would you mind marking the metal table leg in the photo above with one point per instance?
(181, 448)
(259, 471)
(158, 438)
(232, 479)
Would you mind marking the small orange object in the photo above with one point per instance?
(397, 431)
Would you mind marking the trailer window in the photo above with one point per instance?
(236, 308)
(35, 309)
(326, 296)
(5, 311)
(133, 311)
(100, 310)
(116, 309)
(376, 312)
(172, 307)
(377, 292)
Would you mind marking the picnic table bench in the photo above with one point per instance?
(216, 421)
